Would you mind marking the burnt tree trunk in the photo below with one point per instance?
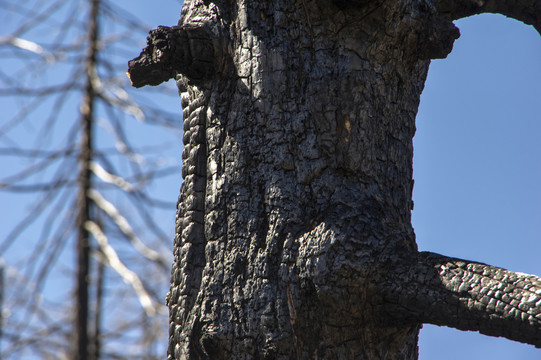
(294, 236)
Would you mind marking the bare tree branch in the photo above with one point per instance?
(150, 306)
(527, 11)
(47, 73)
(29, 46)
(107, 177)
(126, 228)
(467, 295)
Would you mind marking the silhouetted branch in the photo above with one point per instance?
(527, 11)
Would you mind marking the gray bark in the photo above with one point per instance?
(294, 236)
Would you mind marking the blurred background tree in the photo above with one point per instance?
(89, 155)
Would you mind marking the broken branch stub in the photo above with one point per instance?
(171, 51)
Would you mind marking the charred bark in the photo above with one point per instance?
(467, 295)
(294, 235)
(527, 11)
(172, 50)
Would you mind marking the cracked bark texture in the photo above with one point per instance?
(294, 236)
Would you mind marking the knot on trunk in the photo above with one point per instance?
(171, 51)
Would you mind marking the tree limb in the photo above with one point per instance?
(172, 50)
(130, 277)
(126, 228)
(467, 295)
(527, 11)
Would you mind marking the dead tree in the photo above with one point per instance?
(85, 185)
(294, 236)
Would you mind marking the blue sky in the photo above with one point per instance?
(477, 164)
